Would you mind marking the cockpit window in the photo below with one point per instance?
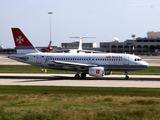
(138, 59)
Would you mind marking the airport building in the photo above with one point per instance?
(8, 51)
(144, 46)
(141, 46)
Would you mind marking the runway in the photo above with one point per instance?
(141, 81)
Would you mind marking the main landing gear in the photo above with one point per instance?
(77, 76)
(83, 75)
(127, 77)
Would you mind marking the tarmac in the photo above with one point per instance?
(139, 81)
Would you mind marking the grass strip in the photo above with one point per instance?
(149, 92)
(78, 103)
(153, 70)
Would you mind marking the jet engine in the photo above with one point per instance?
(96, 71)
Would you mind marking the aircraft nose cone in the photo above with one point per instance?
(146, 65)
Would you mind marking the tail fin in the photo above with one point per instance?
(49, 46)
(22, 44)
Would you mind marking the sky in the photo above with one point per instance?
(103, 19)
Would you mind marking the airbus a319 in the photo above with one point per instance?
(97, 64)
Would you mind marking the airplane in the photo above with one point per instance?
(49, 48)
(79, 50)
(96, 65)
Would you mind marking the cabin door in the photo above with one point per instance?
(126, 60)
(38, 59)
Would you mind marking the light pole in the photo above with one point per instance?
(50, 13)
(133, 36)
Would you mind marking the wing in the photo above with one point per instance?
(79, 66)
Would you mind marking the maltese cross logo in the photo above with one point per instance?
(20, 39)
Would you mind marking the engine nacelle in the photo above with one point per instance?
(96, 71)
(108, 72)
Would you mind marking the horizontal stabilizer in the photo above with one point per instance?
(92, 51)
(19, 58)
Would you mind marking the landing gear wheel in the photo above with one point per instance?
(77, 76)
(127, 77)
(83, 75)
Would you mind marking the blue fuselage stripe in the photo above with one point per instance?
(25, 47)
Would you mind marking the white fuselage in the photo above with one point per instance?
(110, 61)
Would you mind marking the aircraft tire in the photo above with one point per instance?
(127, 77)
(77, 76)
(83, 75)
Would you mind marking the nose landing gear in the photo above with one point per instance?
(126, 77)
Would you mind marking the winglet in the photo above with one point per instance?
(22, 44)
